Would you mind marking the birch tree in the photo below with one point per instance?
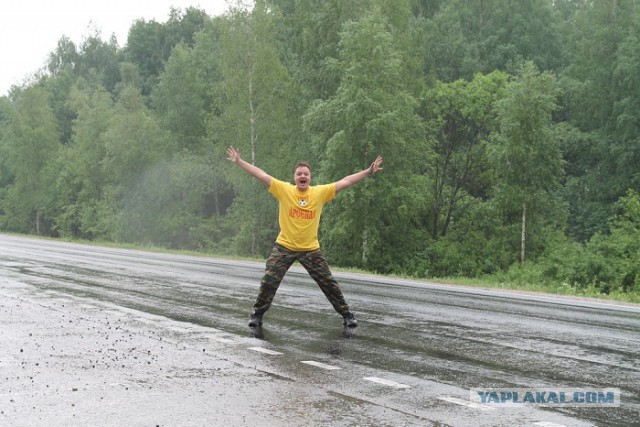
(372, 113)
(254, 117)
(527, 158)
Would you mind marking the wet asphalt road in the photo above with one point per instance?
(104, 336)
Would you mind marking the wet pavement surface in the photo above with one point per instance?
(103, 336)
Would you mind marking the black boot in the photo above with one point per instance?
(349, 320)
(256, 320)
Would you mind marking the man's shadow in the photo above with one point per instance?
(336, 345)
(257, 332)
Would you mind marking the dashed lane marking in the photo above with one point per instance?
(320, 365)
(386, 382)
(467, 403)
(265, 351)
(548, 424)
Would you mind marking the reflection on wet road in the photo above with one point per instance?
(418, 351)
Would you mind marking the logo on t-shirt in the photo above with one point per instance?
(302, 201)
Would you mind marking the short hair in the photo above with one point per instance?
(302, 164)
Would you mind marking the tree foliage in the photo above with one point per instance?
(371, 113)
(527, 159)
(509, 131)
(34, 140)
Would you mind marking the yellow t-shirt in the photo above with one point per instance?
(299, 213)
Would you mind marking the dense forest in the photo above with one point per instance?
(510, 132)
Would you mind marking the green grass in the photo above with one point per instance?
(553, 289)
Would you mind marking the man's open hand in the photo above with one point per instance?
(375, 166)
(233, 154)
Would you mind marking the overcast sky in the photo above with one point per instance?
(30, 29)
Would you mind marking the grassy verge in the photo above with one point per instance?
(553, 289)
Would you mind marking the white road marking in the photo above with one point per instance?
(224, 340)
(320, 365)
(386, 382)
(467, 403)
(178, 329)
(548, 424)
(265, 351)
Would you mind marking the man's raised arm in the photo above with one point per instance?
(233, 155)
(348, 181)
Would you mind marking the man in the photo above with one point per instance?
(299, 217)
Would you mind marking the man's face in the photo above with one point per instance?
(302, 178)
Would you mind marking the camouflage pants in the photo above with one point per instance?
(314, 262)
